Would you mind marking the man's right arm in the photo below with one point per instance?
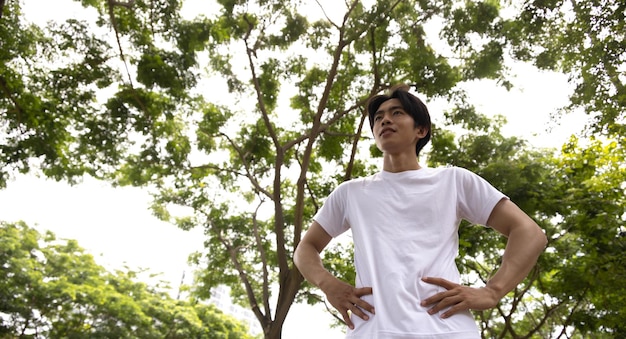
(344, 297)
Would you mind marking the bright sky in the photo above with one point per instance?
(116, 226)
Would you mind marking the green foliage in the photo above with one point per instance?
(578, 199)
(51, 288)
(585, 40)
(249, 116)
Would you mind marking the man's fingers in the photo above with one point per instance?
(437, 298)
(347, 299)
(356, 310)
(362, 304)
(447, 284)
(454, 301)
(454, 309)
(346, 319)
(363, 291)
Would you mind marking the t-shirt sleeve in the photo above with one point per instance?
(332, 215)
(476, 197)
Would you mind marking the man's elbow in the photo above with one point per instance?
(539, 237)
(297, 254)
(303, 250)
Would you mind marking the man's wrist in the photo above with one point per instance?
(325, 282)
(498, 292)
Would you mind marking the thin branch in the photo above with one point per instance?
(579, 300)
(316, 129)
(263, 255)
(326, 15)
(308, 188)
(237, 173)
(335, 134)
(348, 175)
(506, 320)
(232, 252)
(518, 296)
(386, 13)
(128, 5)
(180, 286)
(112, 4)
(328, 308)
(373, 47)
(278, 163)
(323, 128)
(246, 165)
(547, 313)
(257, 86)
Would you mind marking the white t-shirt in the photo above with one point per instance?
(405, 227)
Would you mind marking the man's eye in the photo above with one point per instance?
(397, 112)
(378, 117)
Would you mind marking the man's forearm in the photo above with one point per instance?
(309, 263)
(523, 248)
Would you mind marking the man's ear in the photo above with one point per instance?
(421, 131)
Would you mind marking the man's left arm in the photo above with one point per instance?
(526, 241)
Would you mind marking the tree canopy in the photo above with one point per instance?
(249, 115)
(51, 288)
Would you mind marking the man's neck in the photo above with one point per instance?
(396, 163)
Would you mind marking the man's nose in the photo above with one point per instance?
(386, 119)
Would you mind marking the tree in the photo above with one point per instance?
(55, 81)
(583, 39)
(591, 236)
(252, 147)
(301, 132)
(51, 288)
(577, 197)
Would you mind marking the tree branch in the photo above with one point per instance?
(579, 301)
(278, 162)
(257, 86)
(326, 15)
(328, 308)
(112, 4)
(128, 5)
(246, 165)
(237, 173)
(232, 252)
(348, 175)
(263, 255)
(308, 187)
(315, 131)
(547, 313)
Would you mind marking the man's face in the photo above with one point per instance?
(394, 128)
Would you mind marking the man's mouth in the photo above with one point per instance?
(385, 131)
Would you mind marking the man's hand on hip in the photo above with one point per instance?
(345, 297)
(458, 298)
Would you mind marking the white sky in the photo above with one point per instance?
(116, 226)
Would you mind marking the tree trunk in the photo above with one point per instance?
(286, 296)
(275, 331)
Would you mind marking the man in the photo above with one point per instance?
(404, 222)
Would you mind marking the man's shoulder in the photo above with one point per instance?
(452, 170)
(362, 179)
(441, 170)
(358, 182)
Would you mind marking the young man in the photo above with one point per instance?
(404, 222)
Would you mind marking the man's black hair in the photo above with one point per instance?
(411, 104)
